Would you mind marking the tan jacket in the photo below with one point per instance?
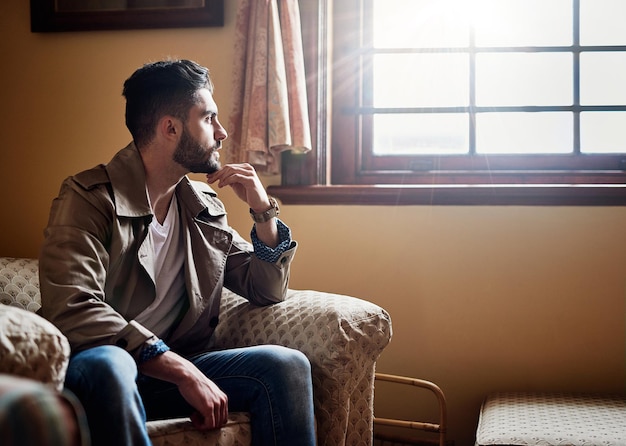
(96, 264)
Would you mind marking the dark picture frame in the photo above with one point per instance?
(85, 15)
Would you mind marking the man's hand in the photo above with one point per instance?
(245, 182)
(248, 187)
(210, 403)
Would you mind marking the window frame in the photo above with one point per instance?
(333, 172)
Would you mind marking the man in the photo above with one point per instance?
(132, 268)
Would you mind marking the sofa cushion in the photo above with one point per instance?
(32, 347)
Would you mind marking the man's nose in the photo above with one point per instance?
(220, 133)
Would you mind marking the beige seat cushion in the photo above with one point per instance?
(546, 419)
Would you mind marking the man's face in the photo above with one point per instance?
(202, 137)
(195, 156)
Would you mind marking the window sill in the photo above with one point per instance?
(461, 195)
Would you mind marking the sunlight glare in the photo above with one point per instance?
(436, 23)
(447, 23)
(420, 24)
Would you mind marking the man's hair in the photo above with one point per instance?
(158, 89)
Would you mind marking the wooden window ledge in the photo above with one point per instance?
(463, 195)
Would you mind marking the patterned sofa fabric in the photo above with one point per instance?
(552, 419)
(19, 283)
(341, 335)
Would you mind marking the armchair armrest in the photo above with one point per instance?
(342, 336)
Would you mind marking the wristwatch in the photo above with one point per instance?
(267, 215)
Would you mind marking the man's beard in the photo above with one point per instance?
(192, 155)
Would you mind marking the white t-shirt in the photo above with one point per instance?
(167, 240)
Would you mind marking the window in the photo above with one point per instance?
(470, 101)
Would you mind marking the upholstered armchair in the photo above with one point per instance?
(341, 335)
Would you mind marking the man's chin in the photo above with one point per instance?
(206, 168)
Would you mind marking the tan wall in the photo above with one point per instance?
(482, 298)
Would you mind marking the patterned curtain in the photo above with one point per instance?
(269, 109)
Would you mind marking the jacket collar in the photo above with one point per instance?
(191, 194)
(128, 180)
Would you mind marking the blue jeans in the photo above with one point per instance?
(273, 383)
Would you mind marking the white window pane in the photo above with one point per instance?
(524, 79)
(524, 133)
(421, 134)
(419, 24)
(523, 22)
(603, 78)
(603, 132)
(421, 80)
(602, 22)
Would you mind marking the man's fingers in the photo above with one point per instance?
(230, 169)
(202, 423)
(221, 415)
(216, 418)
(225, 414)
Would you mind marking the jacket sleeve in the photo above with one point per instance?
(73, 269)
(259, 281)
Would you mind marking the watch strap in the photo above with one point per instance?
(268, 214)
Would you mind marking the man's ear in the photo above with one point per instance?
(170, 127)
